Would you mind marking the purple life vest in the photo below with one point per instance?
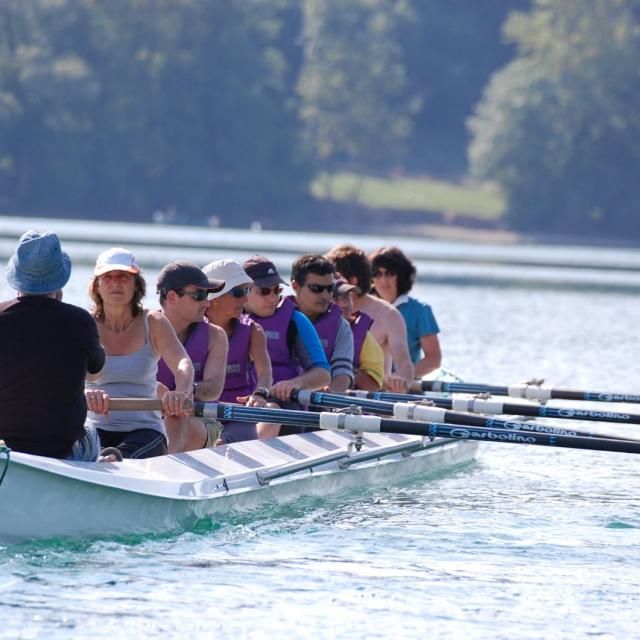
(197, 348)
(239, 380)
(360, 323)
(327, 326)
(283, 364)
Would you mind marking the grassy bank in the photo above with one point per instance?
(479, 200)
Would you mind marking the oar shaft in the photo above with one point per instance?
(496, 406)
(343, 421)
(428, 413)
(135, 404)
(367, 423)
(524, 390)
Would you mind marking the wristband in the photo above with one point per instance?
(261, 392)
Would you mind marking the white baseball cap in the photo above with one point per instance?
(228, 270)
(116, 259)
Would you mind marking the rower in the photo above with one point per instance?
(389, 328)
(312, 279)
(298, 360)
(46, 349)
(393, 276)
(184, 291)
(248, 368)
(368, 359)
(134, 340)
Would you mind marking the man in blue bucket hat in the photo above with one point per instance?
(46, 349)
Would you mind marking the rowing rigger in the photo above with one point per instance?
(495, 406)
(533, 390)
(343, 421)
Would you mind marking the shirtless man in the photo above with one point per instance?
(184, 290)
(388, 328)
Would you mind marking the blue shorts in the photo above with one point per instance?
(86, 448)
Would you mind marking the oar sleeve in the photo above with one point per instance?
(350, 422)
(477, 405)
(529, 391)
(424, 413)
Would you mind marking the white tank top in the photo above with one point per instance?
(129, 376)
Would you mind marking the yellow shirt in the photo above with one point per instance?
(372, 358)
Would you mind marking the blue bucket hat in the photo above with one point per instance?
(38, 265)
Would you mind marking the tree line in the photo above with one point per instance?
(228, 109)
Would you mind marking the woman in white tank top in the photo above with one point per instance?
(134, 339)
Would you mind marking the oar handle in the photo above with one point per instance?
(138, 404)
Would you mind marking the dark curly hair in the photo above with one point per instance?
(139, 291)
(393, 259)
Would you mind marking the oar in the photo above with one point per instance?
(497, 407)
(528, 390)
(428, 413)
(376, 424)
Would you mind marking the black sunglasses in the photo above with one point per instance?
(319, 288)
(267, 291)
(239, 292)
(198, 296)
(381, 273)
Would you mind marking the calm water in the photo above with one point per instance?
(523, 543)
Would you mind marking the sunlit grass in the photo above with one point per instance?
(473, 200)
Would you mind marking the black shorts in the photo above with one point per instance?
(139, 443)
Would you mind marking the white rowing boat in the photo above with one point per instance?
(48, 498)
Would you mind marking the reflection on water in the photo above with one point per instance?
(526, 542)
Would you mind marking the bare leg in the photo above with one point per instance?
(185, 434)
(267, 430)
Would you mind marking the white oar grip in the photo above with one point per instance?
(349, 422)
(304, 396)
(530, 392)
(406, 411)
(476, 405)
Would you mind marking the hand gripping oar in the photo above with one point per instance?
(529, 390)
(426, 413)
(376, 424)
(497, 407)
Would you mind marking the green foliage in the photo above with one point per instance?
(477, 201)
(127, 106)
(352, 83)
(450, 49)
(559, 128)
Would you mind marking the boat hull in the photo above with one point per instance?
(46, 498)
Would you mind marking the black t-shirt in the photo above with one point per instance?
(46, 349)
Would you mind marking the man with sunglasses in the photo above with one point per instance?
(312, 279)
(298, 360)
(388, 328)
(184, 298)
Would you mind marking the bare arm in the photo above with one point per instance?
(315, 378)
(397, 340)
(365, 381)
(340, 384)
(260, 356)
(215, 368)
(165, 342)
(432, 356)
